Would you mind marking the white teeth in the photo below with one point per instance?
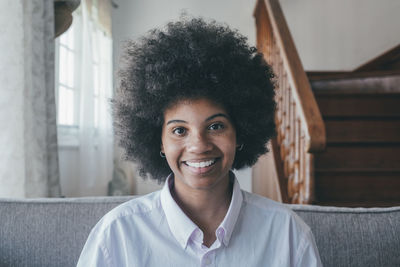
(200, 164)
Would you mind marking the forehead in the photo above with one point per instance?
(201, 107)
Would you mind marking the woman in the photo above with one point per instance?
(194, 102)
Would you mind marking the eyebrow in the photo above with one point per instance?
(217, 115)
(208, 119)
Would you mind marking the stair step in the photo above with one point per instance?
(362, 130)
(357, 186)
(360, 156)
(336, 104)
(361, 164)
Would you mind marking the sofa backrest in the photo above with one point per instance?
(48, 232)
(354, 236)
(52, 232)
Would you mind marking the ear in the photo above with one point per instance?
(239, 147)
(162, 148)
(238, 143)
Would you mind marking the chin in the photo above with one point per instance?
(204, 181)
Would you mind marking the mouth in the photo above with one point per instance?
(201, 166)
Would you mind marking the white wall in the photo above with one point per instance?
(342, 34)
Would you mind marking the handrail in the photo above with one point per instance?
(301, 130)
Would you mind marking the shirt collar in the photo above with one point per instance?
(232, 215)
(182, 227)
(179, 224)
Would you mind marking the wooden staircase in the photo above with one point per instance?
(338, 134)
(361, 163)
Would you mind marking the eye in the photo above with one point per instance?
(216, 126)
(179, 131)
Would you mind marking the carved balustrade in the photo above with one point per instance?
(300, 128)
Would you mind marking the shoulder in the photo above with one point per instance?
(273, 211)
(138, 208)
(264, 204)
(120, 228)
(281, 226)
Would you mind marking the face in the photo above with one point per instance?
(199, 142)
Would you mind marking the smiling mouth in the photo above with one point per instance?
(201, 164)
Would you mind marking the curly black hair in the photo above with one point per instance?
(191, 59)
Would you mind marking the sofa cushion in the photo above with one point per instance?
(354, 236)
(48, 232)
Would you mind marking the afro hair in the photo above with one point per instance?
(190, 59)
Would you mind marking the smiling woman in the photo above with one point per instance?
(194, 102)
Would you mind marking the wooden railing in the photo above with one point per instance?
(300, 128)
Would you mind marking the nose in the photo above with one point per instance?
(198, 143)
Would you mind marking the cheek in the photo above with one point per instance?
(172, 150)
(171, 156)
(232, 152)
(229, 146)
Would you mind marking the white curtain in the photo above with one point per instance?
(28, 136)
(95, 125)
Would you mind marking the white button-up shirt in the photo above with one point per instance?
(153, 231)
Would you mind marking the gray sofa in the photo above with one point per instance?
(52, 232)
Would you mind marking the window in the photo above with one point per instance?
(67, 57)
(66, 84)
(83, 79)
(83, 84)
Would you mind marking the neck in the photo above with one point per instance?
(205, 207)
